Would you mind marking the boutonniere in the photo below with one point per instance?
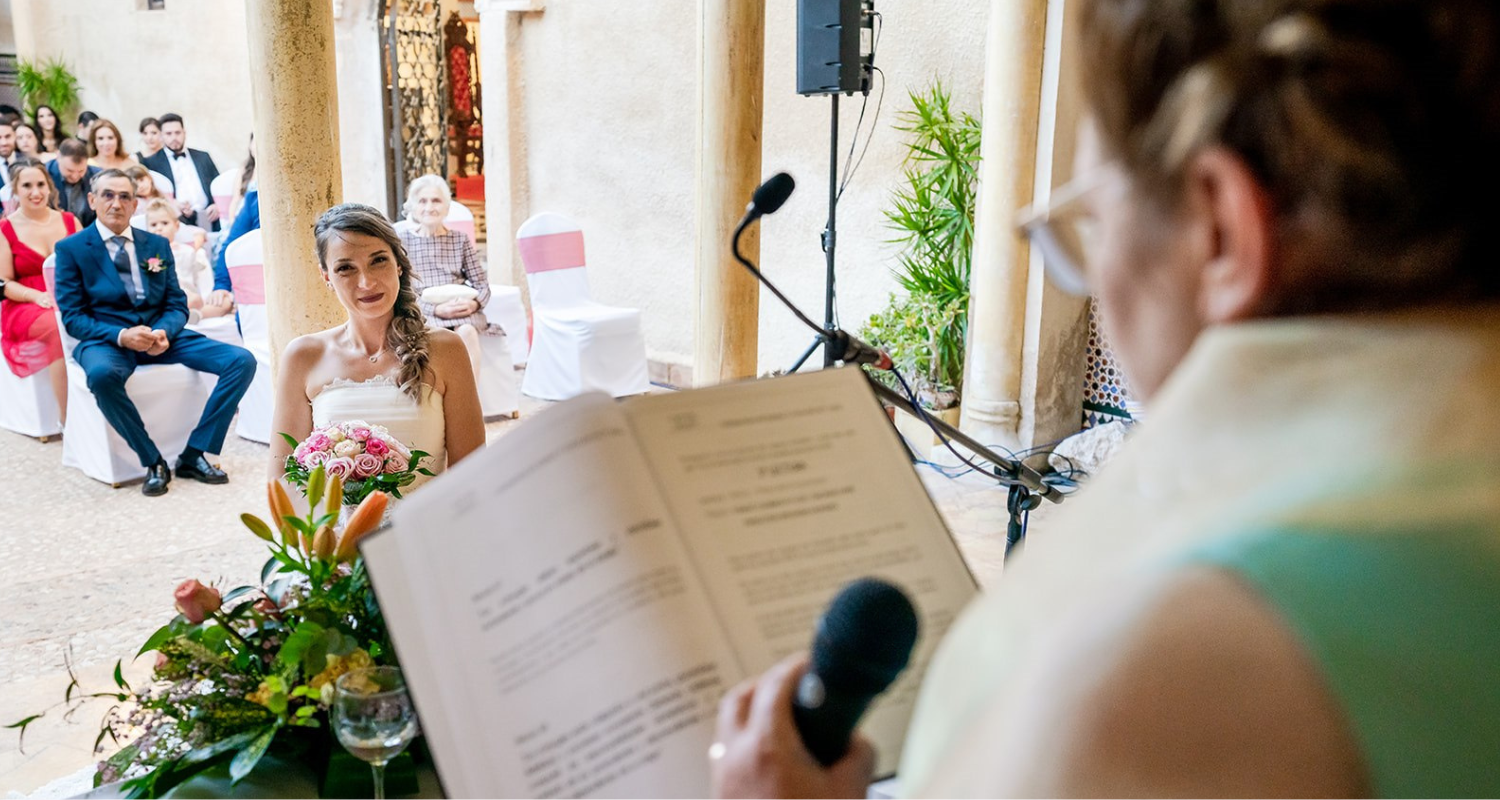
(153, 265)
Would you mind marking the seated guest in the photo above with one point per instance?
(246, 219)
(442, 257)
(28, 325)
(29, 143)
(7, 150)
(85, 124)
(247, 180)
(150, 131)
(118, 294)
(10, 112)
(50, 127)
(107, 147)
(192, 261)
(192, 173)
(71, 173)
(145, 185)
(1286, 583)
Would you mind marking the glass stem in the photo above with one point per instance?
(379, 771)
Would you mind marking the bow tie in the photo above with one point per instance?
(182, 154)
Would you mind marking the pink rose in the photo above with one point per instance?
(311, 461)
(196, 601)
(367, 465)
(341, 467)
(359, 433)
(395, 463)
(377, 447)
(318, 441)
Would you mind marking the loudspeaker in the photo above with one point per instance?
(828, 47)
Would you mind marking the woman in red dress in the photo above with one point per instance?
(28, 324)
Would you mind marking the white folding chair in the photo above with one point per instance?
(498, 394)
(246, 264)
(506, 310)
(169, 397)
(221, 329)
(163, 184)
(577, 345)
(461, 219)
(223, 189)
(27, 405)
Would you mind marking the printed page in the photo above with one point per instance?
(556, 638)
(788, 489)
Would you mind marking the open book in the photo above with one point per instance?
(570, 604)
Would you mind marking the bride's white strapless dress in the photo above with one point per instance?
(379, 401)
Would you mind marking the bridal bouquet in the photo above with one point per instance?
(367, 458)
(239, 671)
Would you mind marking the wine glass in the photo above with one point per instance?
(373, 717)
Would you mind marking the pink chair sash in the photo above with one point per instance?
(47, 273)
(551, 251)
(249, 282)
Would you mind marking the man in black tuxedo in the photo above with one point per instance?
(8, 152)
(116, 289)
(192, 173)
(71, 174)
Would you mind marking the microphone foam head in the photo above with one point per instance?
(769, 196)
(865, 638)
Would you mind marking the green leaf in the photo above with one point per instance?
(238, 592)
(306, 646)
(291, 441)
(271, 568)
(170, 630)
(120, 677)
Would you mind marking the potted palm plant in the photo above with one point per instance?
(49, 83)
(932, 218)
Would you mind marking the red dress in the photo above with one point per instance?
(28, 332)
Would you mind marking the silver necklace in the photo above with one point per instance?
(378, 354)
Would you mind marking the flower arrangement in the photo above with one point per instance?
(154, 265)
(365, 457)
(238, 670)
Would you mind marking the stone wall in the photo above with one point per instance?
(190, 58)
(609, 91)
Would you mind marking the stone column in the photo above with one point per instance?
(297, 137)
(998, 281)
(502, 107)
(731, 59)
(23, 26)
(361, 88)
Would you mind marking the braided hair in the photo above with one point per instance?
(407, 334)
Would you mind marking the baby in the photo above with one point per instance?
(192, 262)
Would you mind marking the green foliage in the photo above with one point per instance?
(932, 214)
(49, 83)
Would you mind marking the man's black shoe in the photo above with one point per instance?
(157, 478)
(201, 471)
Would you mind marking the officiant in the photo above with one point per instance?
(444, 257)
(1286, 582)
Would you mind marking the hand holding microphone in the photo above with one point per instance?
(791, 733)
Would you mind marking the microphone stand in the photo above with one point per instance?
(1028, 487)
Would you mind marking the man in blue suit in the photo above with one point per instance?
(71, 174)
(116, 288)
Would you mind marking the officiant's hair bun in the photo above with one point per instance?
(1373, 126)
(407, 335)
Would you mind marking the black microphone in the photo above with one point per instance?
(769, 196)
(862, 643)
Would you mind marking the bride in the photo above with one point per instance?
(383, 365)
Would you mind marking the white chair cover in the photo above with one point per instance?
(499, 396)
(506, 310)
(163, 183)
(169, 397)
(27, 405)
(246, 264)
(459, 218)
(223, 190)
(8, 200)
(578, 345)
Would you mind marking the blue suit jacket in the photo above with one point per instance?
(93, 300)
(84, 214)
(247, 220)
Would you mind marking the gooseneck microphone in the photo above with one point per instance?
(863, 641)
(767, 199)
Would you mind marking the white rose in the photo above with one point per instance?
(335, 434)
(347, 448)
